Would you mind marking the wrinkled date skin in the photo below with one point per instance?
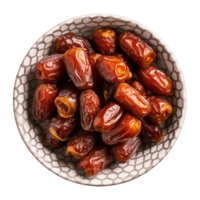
(61, 128)
(151, 132)
(90, 105)
(112, 69)
(108, 117)
(131, 100)
(161, 109)
(97, 160)
(139, 87)
(136, 49)
(124, 151)
(155, 80)
(51, 69)
(105, 41)
(98, 80)
(68, 101)
(43, 101)
(107, 92)
(78, 68)
(81, 143)
(127, 128)
(128, 62)
(69, 41)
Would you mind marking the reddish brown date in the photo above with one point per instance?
(112, 69)
(61, 128)
(139, 87)
(124, 151)
(69, 41)
(161, 109)
(151, 132)
(108, 117)
(136, 49)
(98, 80)
(131, 100)
(128, 62)
(155, 80)
(105, 41)
(81, 143)
(127, 128)
(68, 101)
(97, 160)
(90, 105)
(51, 69)
(107, 92)
(78, 68)
(43, 101)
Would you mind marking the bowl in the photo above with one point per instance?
(149, 154)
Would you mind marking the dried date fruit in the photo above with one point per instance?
(161, 109)
(51, 68)
(124, 151)
(43, 101)
(105, 41)
(68, 101)
(96, 160)
(155, 80)
(131, 100)
(89, 107)
(112, 69)
(98, 80)
(151, 132)
(69, 41)
(107, 92)
(108, 117)
(78, 68)
(139, 87)
(127, 128)
(136, 49)
(81, 143)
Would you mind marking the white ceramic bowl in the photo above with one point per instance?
(148, 156)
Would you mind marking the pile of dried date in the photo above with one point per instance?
(99, 111)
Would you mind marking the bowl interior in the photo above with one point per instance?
(148, 156)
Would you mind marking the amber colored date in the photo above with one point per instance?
(78, 68)
(51, 69)
(151, 132)
(155, 80)
(68, 101)
(112, 69)
(107, 92)
(136, 49)
(108, 117)
(139, 87)
(98, 80)
(124, 151)
(131, 100)
(127, 128)
(43, 101)
(96, 160)
(69, 41)
(128, 62)
(81, 143)
(161, 109)
(105, 41)
(89, 107)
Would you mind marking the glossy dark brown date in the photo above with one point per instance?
(81, 143)
(124, 151)
(108, 117)
(43, 101)
(127, 128)
(89, 107)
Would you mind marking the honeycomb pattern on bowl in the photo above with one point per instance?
(148, 156)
